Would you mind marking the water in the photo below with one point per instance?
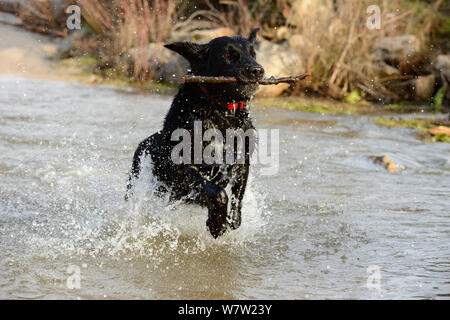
(309, 232)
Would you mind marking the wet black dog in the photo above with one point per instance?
(219, 106)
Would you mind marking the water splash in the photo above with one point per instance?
(146, 227)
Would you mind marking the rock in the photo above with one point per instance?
(173, 71)
(168, 66)
(385, 70)
(93, 79)
(395, 49)
(442, 65)
(203, 36)
(299, 43)
(282, 33)
(265, 46)
(386, 162)
(208, 35)
(424, 86)
(295, 16)
(156, 52)
(11, 19)
(278, 61)
(420, 88)
(442, 68)
(439, 130)
(50, 49)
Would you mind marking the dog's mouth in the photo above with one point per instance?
(244, 80)
(246, 87)
(243, 89)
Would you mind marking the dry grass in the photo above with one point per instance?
(41, 16)
(340, 52)
(338, 42)
(121, 25)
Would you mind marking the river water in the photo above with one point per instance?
(330, 224)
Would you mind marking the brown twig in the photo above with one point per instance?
(267, 81)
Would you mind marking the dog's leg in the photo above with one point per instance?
(238, 190)
(217, 210)
(142, 149)
(213, 196)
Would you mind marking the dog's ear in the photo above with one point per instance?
(193, 52)
(252, 36)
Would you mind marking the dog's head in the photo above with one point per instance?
(225, 56)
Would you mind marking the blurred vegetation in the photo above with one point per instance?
(439, 97)
(327, 106)
(423, 127)
(337, 50)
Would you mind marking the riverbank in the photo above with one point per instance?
(396, 53)
(427, 124)
(33, 56)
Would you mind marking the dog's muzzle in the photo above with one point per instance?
(255, 72)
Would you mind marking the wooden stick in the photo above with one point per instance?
(266, 81)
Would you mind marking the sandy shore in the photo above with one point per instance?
(29, 55)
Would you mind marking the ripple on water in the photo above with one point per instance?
(310, 231)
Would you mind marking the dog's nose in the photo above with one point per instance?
(256, 71)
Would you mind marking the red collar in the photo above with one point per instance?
(231, 106)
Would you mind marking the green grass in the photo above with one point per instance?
(84, 62)
(351, 106)
(441, 137)
(417, 124)
(353, 97)
(314, 105)
(402, 107)
(439, 98)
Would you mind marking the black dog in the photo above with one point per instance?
(220, 106)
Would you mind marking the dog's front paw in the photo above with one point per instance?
(217, 220)
(216, 228)
(217, 214)
(217, 209)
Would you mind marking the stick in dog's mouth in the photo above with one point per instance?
(266, 81)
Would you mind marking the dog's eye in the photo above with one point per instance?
(232, 55)
(252, 52)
